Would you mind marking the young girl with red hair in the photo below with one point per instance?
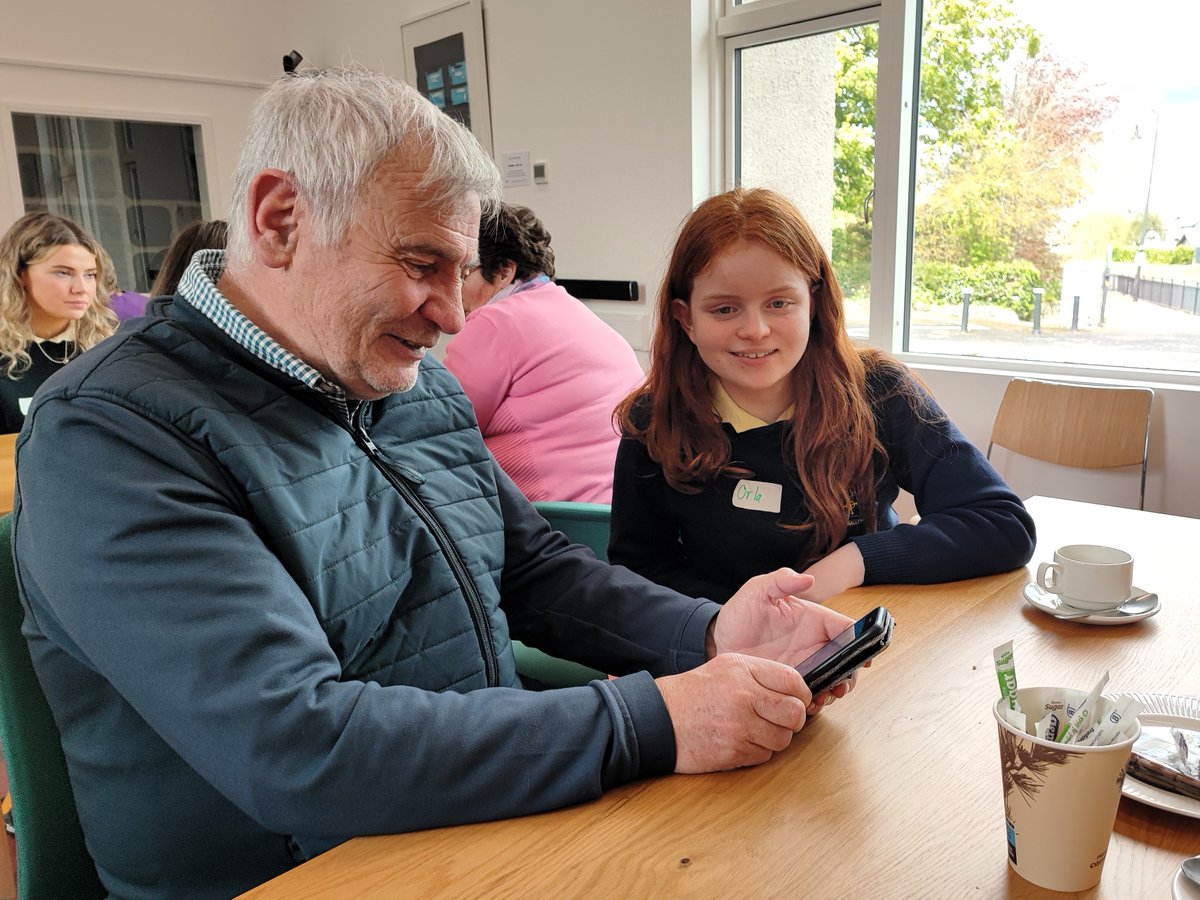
(762, 437)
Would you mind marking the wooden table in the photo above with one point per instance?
(8, 472)
(893, 792)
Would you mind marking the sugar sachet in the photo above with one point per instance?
(1084, 714)
(1006, 672)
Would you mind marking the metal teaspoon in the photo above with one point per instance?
(1131, 607)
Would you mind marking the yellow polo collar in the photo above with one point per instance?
(737, 417)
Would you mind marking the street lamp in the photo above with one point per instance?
(1150, 180)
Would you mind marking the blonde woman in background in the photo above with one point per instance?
(54, 285)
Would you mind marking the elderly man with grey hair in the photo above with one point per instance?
(271, 572)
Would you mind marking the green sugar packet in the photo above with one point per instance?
(1006, 672)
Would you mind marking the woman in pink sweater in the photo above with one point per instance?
(543, 371)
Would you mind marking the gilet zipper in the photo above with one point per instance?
(404, 480)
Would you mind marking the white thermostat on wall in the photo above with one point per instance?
(539, 173)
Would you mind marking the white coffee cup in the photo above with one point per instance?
(1088, 576)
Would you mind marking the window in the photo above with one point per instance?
(804, 103)
(133, 185)
(1032, 199)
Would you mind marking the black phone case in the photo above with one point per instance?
(867, 646)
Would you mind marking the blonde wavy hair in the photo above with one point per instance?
(31, 239)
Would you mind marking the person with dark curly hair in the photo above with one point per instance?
(543, 371)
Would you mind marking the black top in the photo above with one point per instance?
(709, 543)
(45, 359)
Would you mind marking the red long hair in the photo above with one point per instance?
(833, 427)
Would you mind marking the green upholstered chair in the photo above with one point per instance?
(583, 523)
(52, 860)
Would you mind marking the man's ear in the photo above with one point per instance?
(683, 315)
(273, 212)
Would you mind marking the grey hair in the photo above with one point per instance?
(330, 129)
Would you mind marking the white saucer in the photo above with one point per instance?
(1182, 887)
(1039, 598)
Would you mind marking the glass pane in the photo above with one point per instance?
(805, 126)
(134, 185)
(1057, 204)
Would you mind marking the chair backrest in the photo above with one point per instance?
(52, 859)
(583, 523)
(8, 471)
(1075, 425)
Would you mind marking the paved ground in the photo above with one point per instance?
(1135, 335)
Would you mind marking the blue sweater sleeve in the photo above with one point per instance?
(971, 523)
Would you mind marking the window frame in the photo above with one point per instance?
(206, 164)
(739, 26)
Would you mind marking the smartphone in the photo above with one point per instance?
(838, 660)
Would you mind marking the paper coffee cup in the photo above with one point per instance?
(1060, 800)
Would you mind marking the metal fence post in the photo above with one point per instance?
(1037, 310)
(1075, 314)
(966, 305)
(1103, 295)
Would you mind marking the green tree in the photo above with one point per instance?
(1005, 198)
(854, 112)
(1003, 130)
(965, 45)
(964, 48)
(1133, 233)
(1094, 234)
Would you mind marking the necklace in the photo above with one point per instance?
(67, 357)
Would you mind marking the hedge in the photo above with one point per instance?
(1008, 285)
(1175, 256)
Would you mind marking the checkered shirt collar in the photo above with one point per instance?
(199, 287)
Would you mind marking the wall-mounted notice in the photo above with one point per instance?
(516, 169)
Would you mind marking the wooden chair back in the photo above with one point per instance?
(8, 471)
(1075, 425)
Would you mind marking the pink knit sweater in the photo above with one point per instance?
(544, 374)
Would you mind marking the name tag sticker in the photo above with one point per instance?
(760, 495)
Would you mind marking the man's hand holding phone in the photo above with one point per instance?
(735, 710)
(767, 618)
(746, 702)
(834, 664)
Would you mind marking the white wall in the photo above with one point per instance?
(615, 96)
(200, 67)
(602, 92)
